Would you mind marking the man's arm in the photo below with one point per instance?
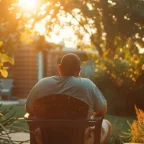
(30, 100)
(101, 112)
(100, 104)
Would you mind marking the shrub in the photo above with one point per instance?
(121, 82)
(136, 131)
(6, 122)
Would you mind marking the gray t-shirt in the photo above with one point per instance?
(80, 88)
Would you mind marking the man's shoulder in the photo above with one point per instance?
(86, 80)
(85, 83)
(47, 80)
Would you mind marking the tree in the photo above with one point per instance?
(8, 34)
(3, 59)
(8, 26)
(110, 24)
(113, 26)
(12, 32)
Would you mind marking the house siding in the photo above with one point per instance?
(24, 72)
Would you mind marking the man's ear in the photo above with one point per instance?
(59, 69)
(78, 74)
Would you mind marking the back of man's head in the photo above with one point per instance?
(70, 64)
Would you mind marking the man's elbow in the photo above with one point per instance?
(101, 112)
(28, 110)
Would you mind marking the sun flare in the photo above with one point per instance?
(28, 4)
(64, 36)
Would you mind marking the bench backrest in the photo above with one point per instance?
(60, 107)
(62, 120)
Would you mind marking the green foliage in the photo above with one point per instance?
(8, 34)
(3, 59)
(9, 26)
(122, 71)
(120, 79)
(136, 131)
(108, 23)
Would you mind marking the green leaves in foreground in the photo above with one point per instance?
(8, 126)
(6, 121)
(4, 58)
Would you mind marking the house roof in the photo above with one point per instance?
(74, 50)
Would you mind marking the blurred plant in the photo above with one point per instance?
(122, 70)
(3, 59)
(120, 79)
(136, 131)
(7, 121)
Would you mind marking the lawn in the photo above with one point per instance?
(119, 124)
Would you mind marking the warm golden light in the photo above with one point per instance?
(28, 4)
(64, 35)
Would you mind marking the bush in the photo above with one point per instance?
(121, 82)
(136, 131)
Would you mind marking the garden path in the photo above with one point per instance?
(21, 136)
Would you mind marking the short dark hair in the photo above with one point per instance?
(70, 63)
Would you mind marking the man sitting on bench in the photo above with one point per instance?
(70, 83)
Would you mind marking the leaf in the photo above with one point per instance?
(6, 58)
(1, 43)
(4, 73)
(1, 65)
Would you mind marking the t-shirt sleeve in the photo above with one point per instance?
(99, 100)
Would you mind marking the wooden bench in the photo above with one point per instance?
(6, 87)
